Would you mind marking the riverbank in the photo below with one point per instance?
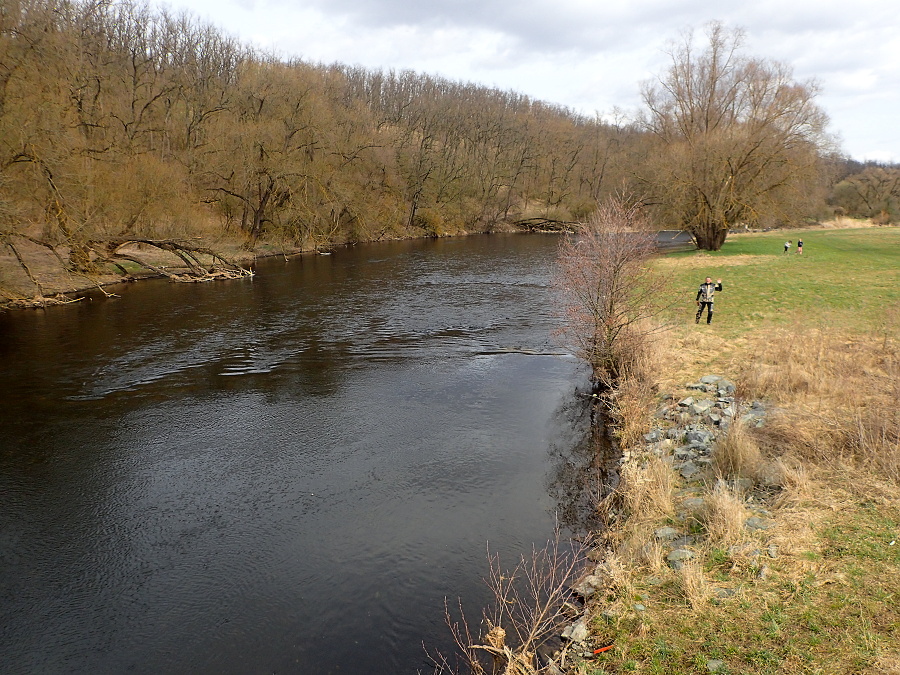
(61, 285)
(758, 531)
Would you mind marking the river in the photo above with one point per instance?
(280, 474)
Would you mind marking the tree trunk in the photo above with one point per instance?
(709, 237)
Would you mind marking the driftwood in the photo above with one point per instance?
(219, 267)
(547, 225)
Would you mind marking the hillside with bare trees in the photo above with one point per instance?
(122, 126)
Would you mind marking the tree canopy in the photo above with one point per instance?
(739, 139)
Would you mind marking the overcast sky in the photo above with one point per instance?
(592, 55)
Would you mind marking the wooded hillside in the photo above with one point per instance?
(121, 123)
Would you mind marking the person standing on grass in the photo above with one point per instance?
(705, 298)
(800, 247)
(787, 245)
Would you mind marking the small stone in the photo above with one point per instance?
(685, 402)
(772, 551)
(700, 407)
(666, 533)
(588, 586)
(638, 607)
(715, 665)
(757, 523)
(653, 436)
(699, 436)
(684, 453)
(711, 379)
(553, 669)
(677, 558)
(694, 503)
(689, 470)
(576, 632)
(684, 540)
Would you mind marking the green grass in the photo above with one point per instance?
(842, 618)
(845, 276)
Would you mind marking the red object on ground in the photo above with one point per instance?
(603, 649)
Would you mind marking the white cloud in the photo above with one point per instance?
(590, 55)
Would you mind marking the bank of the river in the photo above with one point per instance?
(757, 527)
(61, 285)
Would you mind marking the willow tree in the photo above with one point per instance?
(739, 138)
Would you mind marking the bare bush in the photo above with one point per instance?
(527, 606)
(609, 291)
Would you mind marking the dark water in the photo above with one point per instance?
(286, 474)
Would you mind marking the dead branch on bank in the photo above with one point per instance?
(528, 606)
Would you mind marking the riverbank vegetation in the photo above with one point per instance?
(123, 126)
(755, 527)
(788, 536)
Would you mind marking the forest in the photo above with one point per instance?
(126, 128)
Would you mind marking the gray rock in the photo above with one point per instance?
(684, 452)
(675, 434)
(711, 379)
(576, 632)
(552, 669)
(689, 470)
(725, 388)
(700, 436)
(677, 558)
(697, 386)
(742, 484)
(638, 607)
(588, 586)
(715, 665)
(666, 533)
(725, 592)
(694, 503)
(758, 523)
(701, 406)
(653, 435)
(684, 540)
(685, 402)
(772, 551)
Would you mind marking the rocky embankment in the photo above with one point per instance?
(686, 434)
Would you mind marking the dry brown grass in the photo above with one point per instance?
(739, 455)
(693, 585)
(724, 514)
(646, 489)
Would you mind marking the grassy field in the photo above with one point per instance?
(817, 338)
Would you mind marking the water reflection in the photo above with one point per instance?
(287, 473)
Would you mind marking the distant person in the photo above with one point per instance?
(800, 247)
(787, 246)
(705, 298)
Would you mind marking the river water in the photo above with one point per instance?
(281, 474)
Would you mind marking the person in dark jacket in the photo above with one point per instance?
(705, 298)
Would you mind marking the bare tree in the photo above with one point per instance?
(609, 290)
(740, 139)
